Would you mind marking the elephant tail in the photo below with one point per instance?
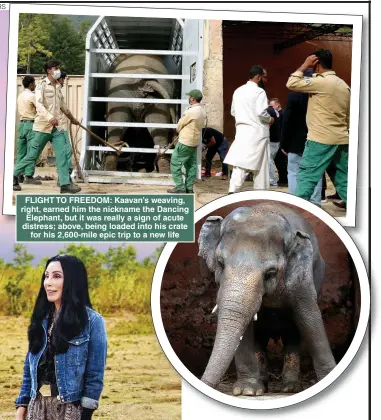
(159, 88)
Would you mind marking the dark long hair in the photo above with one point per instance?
(73, 316)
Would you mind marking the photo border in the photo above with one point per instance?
(75, 9)
(319, 386)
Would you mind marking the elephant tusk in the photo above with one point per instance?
(255, 317)
(214, 309)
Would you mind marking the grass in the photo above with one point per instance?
(140, 383)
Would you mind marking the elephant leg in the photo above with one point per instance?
(159, 114)
(115, 113)
(291, 364)
(311, 327)
(248, 373)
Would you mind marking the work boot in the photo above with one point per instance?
(21, 179)
(31, 180)
(333, 197)
(341, 204)
(70, 189)
(176, 191)
(16, 185)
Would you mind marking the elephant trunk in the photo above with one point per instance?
(234, 315)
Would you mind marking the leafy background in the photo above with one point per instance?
(44, 37)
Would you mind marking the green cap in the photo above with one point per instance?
(197, 94)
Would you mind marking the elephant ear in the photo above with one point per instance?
(208, 241)
(300, 268)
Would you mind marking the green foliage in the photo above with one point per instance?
(33, 38)
(42, 37)
(118, 283)
(92, 259)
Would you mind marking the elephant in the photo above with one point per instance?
(135, 161)
(268, 268)
(139, 112)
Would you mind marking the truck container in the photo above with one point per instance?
(178, 41)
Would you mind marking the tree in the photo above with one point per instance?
(121, 258)
(68, 45)
(91, 258)
(42, 37)
(34, 31)
(22, 259)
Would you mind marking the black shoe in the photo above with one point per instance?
(341, 204)
(31, 180)
(70, 189)
(16, 185)
(282, 184)
(189, 191)
(231, 193)
(333, 197)
(176, 191)
(21, 179)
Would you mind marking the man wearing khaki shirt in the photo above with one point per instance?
(328, 125)
(185, 154)
(47, 127)
(26, 105)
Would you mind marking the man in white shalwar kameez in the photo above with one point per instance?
(249, 151)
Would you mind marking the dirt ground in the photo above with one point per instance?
(205, 191)
(140, 384)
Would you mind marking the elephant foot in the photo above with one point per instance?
(249, 387)
(291, 387)
(163, 165)
(110, 163)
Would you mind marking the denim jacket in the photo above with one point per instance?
(79, 371)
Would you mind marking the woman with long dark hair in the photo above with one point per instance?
(65, 364)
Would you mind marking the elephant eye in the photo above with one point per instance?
(270, 273)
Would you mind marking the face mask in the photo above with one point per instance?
(56, 74)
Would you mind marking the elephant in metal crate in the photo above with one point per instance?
(267, 263)
(140, 112)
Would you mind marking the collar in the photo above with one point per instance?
(328, 73)
(250, 81)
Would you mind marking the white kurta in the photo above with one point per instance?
(252, 128)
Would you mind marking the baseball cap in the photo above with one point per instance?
(197, 94)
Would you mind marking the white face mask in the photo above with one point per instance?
(56, 74)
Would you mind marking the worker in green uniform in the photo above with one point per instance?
(328, 125)
(47, 127)
(185, 154)
(26, 104)
(63, 122)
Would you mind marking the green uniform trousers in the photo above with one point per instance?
(318, 158)
(184, 156)
(25, 135)
(68, 153)
(37, 146)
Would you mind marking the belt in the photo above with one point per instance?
(49, 390)
(27, 121)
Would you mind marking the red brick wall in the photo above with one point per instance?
(188, 297)
(241, 50)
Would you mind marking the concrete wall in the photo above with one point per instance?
(73, 94)
(188, 297)
(213, 75)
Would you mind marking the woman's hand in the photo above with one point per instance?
(21, 413)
